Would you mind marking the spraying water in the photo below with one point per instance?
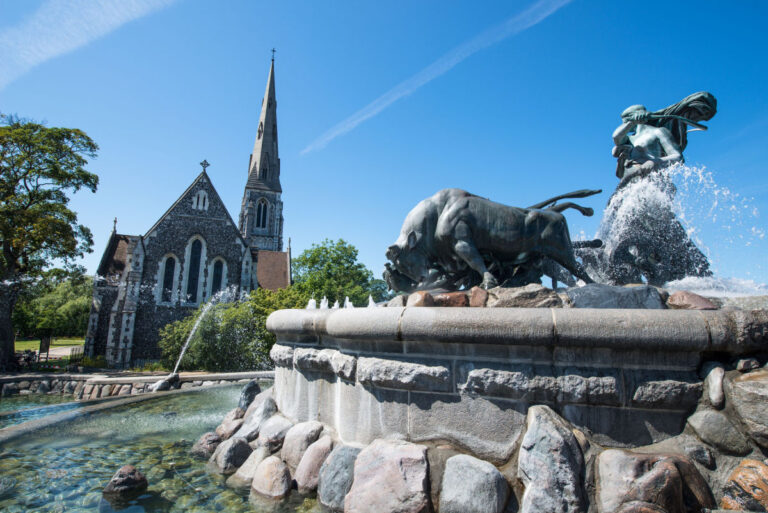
(348, 303)
(324, 303)
(371, 302)
(335, 305)
(312, 304)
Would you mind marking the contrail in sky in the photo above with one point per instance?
(526, 19)
(61, 26)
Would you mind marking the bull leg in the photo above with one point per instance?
(467, 251)
(575, 269)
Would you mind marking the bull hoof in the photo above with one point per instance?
(489, 281)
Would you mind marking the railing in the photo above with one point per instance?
(76, 354)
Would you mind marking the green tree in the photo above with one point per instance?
(40, 168)
(331, 269)
(56, 306)
(232, 336)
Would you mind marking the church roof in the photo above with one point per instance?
(265, 159)
(115, 257)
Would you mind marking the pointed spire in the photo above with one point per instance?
(264, 165)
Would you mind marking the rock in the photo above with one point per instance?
(684, 300)
(344, 365)
(715, 429)
(282, 355)
(336, 477)
(230, 454)
(451, 299)
(714, 385)
(390, 476)
(471, 485)
(44, 388)
(550, 465)
(596, 295)
(437, 457)
(747, 487)
(127, 482)
(297, 439)
(668, 393)
(261, 409)
(700, 454)
(307, 472)
(478, 297)
(748, 395)
(273, 433)
(125, 389)
(403, 375)
(630, 482)
(247, 395)
(228, 427)
(532, 295)
(272, 478)
(243, 477)
(398, 301)
(747, 364)
(420, 298)
(234, 414)
(9, 389)
(206, 445)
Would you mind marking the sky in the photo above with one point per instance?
(381, 104)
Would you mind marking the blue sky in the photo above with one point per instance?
(511, 100)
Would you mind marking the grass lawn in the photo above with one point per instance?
(34, 344)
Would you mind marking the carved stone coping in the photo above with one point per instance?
(731, 331)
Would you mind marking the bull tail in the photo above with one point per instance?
(565, 206)
(583, 193)
(595, 243)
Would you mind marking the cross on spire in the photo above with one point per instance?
(204, 164)
(114, 225)
(273, 55)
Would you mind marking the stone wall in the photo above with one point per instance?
(626, 377)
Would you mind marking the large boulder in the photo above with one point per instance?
(390, 476)
(126, 483)
(471, 485)
(248, 394)
(206, 445)
(550, 465)
(272, 479)
(307, 472)
(272, 433)
(630, 482)
(684, 300)
(747, 487)
(596, 295)
(715, 429)
(228, 428)
(297, 439)
(230, 454)
(532, 295)
(260, 409)
(336, 477)
(243, 477)
(748, 394)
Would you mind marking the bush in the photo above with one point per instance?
(98, 362)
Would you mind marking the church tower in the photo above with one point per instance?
(261, 213)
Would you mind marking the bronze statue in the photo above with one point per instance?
(455, 239)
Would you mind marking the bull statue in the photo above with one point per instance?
(455, 239)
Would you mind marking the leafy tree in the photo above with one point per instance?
(232, 336)
(55, 306)
(331, 269)
(39, 168)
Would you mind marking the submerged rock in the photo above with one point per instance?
(230, 454)
(336, 475)
(550, 465)
(272, 478)
(127, 482)
(248, 394)
(297, 439)
(390, 476)
(596, 295)
(206, 445)
(243, 477)
(307, 472)
(747, 487)
(472, 485)
(261, 408)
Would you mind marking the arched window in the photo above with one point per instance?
(193, 273)
(218, 271)
(200, 201)
(168, 273)
(261, 214)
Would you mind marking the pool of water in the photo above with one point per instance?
(17, 417)
(20, 402)
(65, 467)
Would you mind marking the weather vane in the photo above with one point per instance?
(273, 55)
(205, 164)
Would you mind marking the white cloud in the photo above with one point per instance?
(61, 26)
(514, 25)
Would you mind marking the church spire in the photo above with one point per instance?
(264, 164)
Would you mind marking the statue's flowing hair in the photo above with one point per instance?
(696, 107)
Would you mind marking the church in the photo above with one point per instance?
(193, 251)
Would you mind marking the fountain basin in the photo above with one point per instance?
(469, 375)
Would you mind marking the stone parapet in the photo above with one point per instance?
(469, 375)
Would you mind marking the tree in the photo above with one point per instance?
(331, 269)
(57, 305)
(39, 168)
